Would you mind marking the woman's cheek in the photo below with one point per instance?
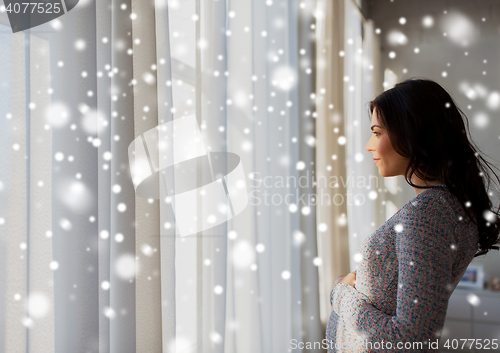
(382, 146)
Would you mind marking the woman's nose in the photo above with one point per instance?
(369, 146)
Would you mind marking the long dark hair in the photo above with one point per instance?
(425, 125)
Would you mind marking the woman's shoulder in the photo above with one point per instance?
(437, 210)
(432, 208)
(435, 217)
(433, 200)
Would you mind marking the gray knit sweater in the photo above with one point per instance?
(409, 268)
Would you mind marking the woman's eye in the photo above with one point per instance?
(376, 133)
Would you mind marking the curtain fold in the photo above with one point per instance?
(122, 310)
(15, 227)
(357, 180)
(39, 248)
(310, 261)
(366, 208)
(167, 220)
(147, 211)
(104, 104)
(212, 98)
(74, 176)
(333, 245)
(373, 191)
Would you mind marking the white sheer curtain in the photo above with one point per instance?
(89, 265)
(362, 82)
(330, 158)
(349, 77)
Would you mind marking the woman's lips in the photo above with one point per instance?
(376, 160)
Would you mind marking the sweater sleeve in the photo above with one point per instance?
(425, 270)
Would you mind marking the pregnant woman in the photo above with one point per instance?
(397, 299)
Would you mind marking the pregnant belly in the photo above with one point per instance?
(379, 288)
(341, 338)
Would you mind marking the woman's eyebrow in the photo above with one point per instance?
(371, 128)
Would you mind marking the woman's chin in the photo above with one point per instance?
(382, 172)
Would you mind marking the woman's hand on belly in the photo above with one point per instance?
(349, 279)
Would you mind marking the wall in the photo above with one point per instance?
(455, 60)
